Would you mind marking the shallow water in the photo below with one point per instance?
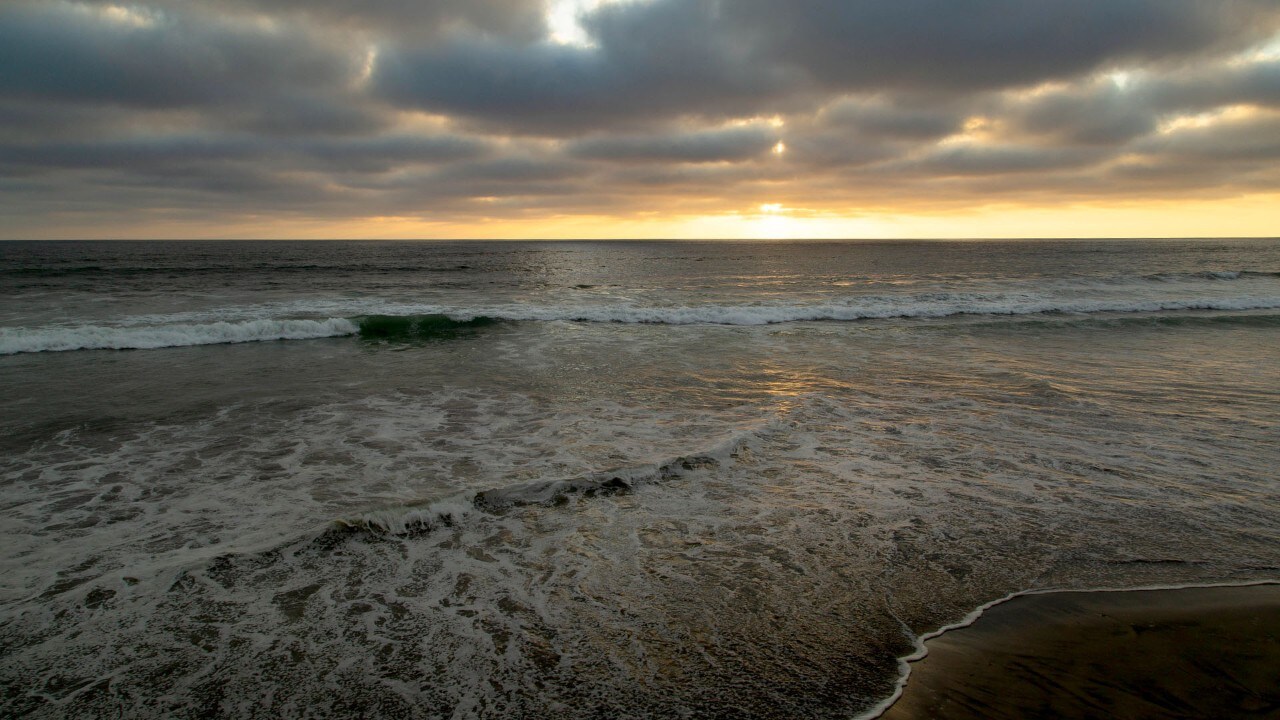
(667, 479)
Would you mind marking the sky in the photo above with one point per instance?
(639, 118)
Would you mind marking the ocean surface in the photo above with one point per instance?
(601, 480)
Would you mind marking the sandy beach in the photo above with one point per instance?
(1186, 653)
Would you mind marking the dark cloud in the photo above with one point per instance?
(513, 170)
(387, 153)
(726, 145)
(700, 57)
(421, 20)
(1000, 160)
(1099, 113)
(1114, 110)
(132, 155)
(1254, 138)
(66, 52)
(878, 117)
(661, 59)
(289, 113)
(34, 120)
(1255, 83)
(513, 19)
(375, 154)
(962, 46)
(241, 73)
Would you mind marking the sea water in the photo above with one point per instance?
(629, 479)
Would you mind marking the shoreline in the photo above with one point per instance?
(909, 662)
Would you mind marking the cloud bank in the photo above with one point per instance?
(120, 114)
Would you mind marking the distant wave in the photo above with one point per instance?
(1178, 320)
(1210, 275)
(936, 305)
(443, 323)
(78, 270)
(89, 337)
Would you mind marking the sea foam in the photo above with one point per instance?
(88, 337)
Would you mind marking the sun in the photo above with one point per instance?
(773, 223)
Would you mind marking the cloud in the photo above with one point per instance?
(1252, 137)
(1000, 160)
(878, 116)
(1111, 110)
(669, 58)
(658, 59)
(962, 46)
(469, 108)
(71, 53)
(734, 144)
(520, 20)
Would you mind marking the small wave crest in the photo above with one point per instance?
(92, 337)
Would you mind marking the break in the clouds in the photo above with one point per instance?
(120, 113)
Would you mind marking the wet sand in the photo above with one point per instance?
(1189, 653)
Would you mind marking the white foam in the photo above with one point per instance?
(88, 337)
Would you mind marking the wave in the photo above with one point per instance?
(93, 270)
(417, 327)
(1211, 275)
(936, 305)
(387, 328)
(54, 339)
(436, 322)
(1159, 320)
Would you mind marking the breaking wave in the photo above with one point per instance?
(417, 327)
(438, 322)
(90, 337)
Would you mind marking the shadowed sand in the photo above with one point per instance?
(1188, 653)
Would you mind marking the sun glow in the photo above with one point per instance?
(562, 21)
(776, 227)
(1121, 79)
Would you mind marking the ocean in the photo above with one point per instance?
(602, 479)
